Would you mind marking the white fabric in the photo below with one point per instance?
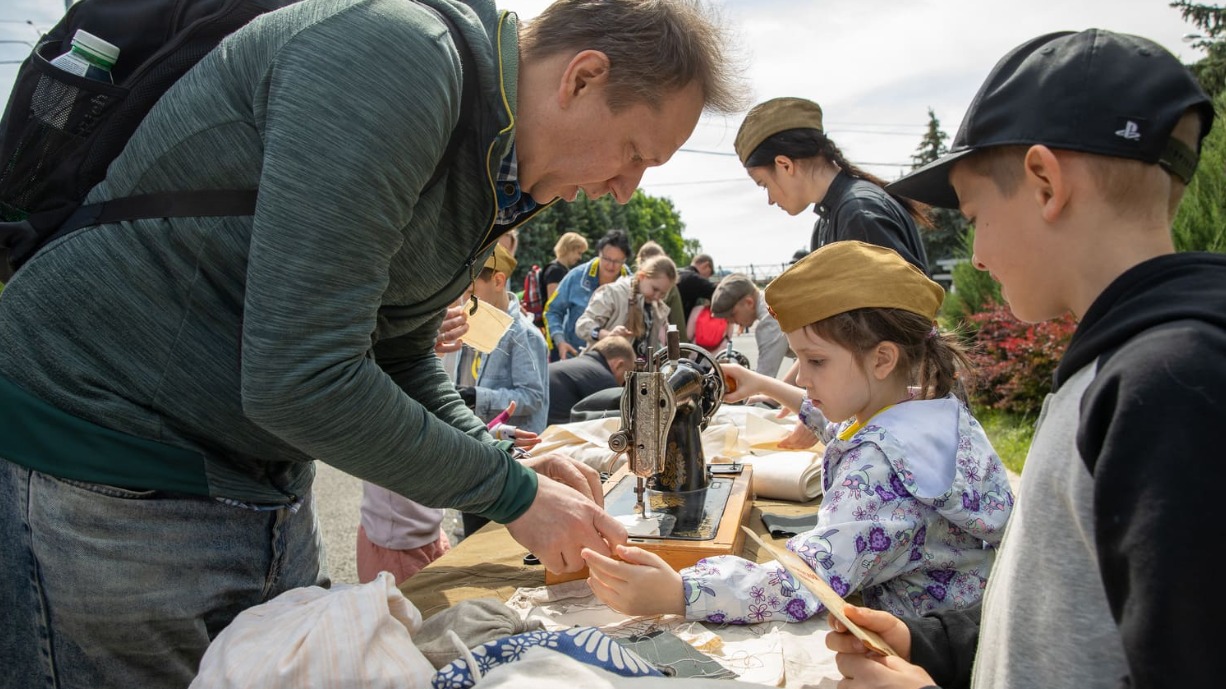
(734, 431)
(312, 638)
(793, 476)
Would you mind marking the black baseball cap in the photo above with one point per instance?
(1092, 91)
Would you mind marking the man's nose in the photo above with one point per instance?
(623, 185)
(979, 265)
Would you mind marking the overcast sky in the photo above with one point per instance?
(875, 66)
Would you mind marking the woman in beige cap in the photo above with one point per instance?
(786, 151)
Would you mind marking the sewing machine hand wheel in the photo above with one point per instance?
(713, 376)
(730, 354)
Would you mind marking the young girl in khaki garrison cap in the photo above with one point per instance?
(916, 499)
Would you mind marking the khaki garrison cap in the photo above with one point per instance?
(501, 261)
(773, 116)
(844, 276)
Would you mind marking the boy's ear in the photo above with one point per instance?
(884, 359)
(1046, 178)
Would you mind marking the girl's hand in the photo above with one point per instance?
(640, 584)
(619, 331)
(801, 438)
(740, 382)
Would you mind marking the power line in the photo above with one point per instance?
(703, 181)
(730, 153)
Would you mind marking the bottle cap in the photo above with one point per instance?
(95, 45)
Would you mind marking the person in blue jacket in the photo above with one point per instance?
(575, 291)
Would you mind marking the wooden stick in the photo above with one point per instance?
(818, 586)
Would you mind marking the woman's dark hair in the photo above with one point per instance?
(799, 144)
(932, 359)
(617, 239)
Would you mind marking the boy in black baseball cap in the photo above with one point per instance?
(1071, 162)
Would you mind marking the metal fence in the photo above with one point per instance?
(760, 273)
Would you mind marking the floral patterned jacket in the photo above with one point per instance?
(915, 503)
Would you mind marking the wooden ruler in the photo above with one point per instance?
(818, 586)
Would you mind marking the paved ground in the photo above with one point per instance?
(339, 495)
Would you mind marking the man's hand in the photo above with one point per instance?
(641, 583)
(560, 523)
(863, 669)
(565, 351)
(455, 326)
(569, 472)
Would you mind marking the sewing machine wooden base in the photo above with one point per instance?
(680, 553)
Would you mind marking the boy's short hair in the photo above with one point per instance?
(1093, 91)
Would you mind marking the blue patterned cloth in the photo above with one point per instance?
(585, 644)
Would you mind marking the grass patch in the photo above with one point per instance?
(1010, 435)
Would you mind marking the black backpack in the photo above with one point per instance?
(46, 169)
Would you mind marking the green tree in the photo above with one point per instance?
(1200, 224)
(1211, 20)
(944, 239)
(644, 217)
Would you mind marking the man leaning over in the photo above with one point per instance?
(163, 407)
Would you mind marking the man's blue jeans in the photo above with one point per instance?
(108, 587)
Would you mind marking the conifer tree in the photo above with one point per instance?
(1211, 20)
(945, 238)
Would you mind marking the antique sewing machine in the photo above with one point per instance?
(670, 500)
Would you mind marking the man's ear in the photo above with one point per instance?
(883, 359)
(620, 368)
(1046, 179)
(587, 71)
(500, 280)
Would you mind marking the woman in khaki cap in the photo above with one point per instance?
(786, 151)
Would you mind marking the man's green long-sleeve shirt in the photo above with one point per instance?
(252, 345)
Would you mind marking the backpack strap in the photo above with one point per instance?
(239, 202)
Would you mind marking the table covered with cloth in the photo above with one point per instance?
(490, 563)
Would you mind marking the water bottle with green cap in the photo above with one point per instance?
(90, 57)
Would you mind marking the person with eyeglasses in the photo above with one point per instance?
(575, 291)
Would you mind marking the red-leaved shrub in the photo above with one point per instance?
(1014, 361)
